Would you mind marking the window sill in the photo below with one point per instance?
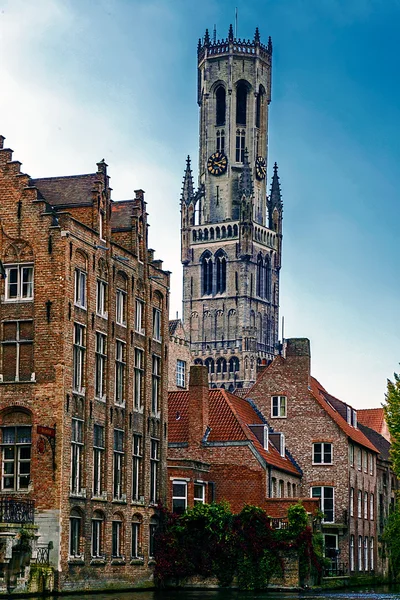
(137, 503)
(102, 316)
(141, 332)
(103, 399)
(321, 464)
(81, 494)
(77, 560)
(279, 417)
(98, 561)
(80, 306)
(81, 392)
(20, 382)
(17, 300)
(138, 560)
(120, 324)
(118, 561)
(102, 498)
(120, 404)
(151, 562)
(157, 341)
(138, 410)
(118, 501)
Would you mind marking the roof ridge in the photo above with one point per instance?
(62, 177)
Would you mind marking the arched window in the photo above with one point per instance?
(206, 234)
(194, 235)
(260, 273)
(267, 279)
(220, 266)
(240, 145)
(259, 106)
(221, 365)
(241, 103)
(136, 545)
(75, 533)
(211, 233)
(117, 536)
(209, 363)
(229, 230)
(217, 233)
(220, 97)
(97, 549)
(198, 361)
(234, 364)
(235, 230)
(223, 231)
(220, 140)
(207, 274)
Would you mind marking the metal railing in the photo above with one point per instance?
(17, 511)
(42, 555)
(336, 569)
(279, 523)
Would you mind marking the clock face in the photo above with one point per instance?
(261, 167)
(217, 163)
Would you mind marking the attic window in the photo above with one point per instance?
(348, 414)
(278, 407)
(354, 418)
(266, 437)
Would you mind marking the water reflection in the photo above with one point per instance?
(377, 593)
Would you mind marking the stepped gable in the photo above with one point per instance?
(121, 215)
(71, 190)
(229, 420)
(321, 395)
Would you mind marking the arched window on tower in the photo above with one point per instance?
(209, 363)
(267, 278)
(220, 140)
(241, 103)
(260, 276)
(220, 266)
(221, 365)
(260, 106)
(234, 364)
(207, 273)
(220, 98)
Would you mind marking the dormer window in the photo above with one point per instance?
(278, 407)
(348, 414)
(19, 282)
(265, 437)
(354, 418)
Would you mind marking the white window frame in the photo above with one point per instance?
(76, 456)
(139, 311)
(157, 325)
(15, 458)
(120, 307)
(279, 407)
(18, 342)
(118, 463)
(199, 498)
(179, 497)
(154, 460)
(360, 553)
(120, 366)
(371, 506)
(116, 536)
(135, 538)
(96, 545)
(359, 504)
(75, 534)
(371, 464)
(137, 456)
(79, 357)
(359, 459)
(322, 461)
(22, 295)
(138, 379)
(351, 454)
(101, 299)
(80, 288)
(322, 497)
(100, 366)
(180, 373)
(365, 505)
(371, 558)
(155, 384)
(98, 462)
(352, 502)
(366, 553)
(352, 553)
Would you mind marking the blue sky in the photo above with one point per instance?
(84, 80)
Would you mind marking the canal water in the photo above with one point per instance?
(377, 593)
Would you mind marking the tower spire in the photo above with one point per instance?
(207, 38)
(275, 196)
(257, 36)
(187, 188)
(230, 34)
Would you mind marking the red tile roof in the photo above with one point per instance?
(319, 393)
(229, 420)
(374, 418)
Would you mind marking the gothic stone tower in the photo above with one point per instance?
(231, 232)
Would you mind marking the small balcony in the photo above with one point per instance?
(17, 511)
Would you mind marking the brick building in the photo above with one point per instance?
(221, 448)
(179, 356)
(231, 232)
(83, 396)
(374, 418)
(338, 461)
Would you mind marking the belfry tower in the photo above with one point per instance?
(231, 232)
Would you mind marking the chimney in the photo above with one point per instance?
(298, 355)
(198, 404)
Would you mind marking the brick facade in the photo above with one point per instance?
(74, 357)
(179, 357)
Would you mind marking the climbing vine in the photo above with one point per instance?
(210, 541)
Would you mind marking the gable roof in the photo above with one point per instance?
(324, 400)
(378, 440)
(72, 190)
(374, 418)
(173, 324)
(229, 420)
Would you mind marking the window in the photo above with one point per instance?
(371, 507)
(366, 553)
(293, 490)
(359, 504)
(155, 388)
(273, 487)
(119, 372)
(157, 325)
(278, 406)
(101, 226)
(220, 267)
(138, 382)
(371, 560)
(19, 282)
(241, 104)
(199, 492)
(207, 274)
(220, 148)
(220, 97)
(80, 288)
(281, 492)
(17, 349)
(79, 357)
(359, 459)
(322, 453)
(365, 461)
(120, 308)
(100, 367)
(139, 316)
(116, 550)
(327, 504)
(371, 464)
(16, 457)
(352, 502)
(351, 455)
(101, 299)
(288, 487)
(179, 497)
(118, 463)
(136, 532)
(348, 414)
(98, 459)
(240, 145)
(136, 466)
(152, 537)
(365, 505)
(352, 563)
(76, 456)
(154, 460)
(75, 533)
(180, 373)
(354, 418)
(360, 555)
(97, 535)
